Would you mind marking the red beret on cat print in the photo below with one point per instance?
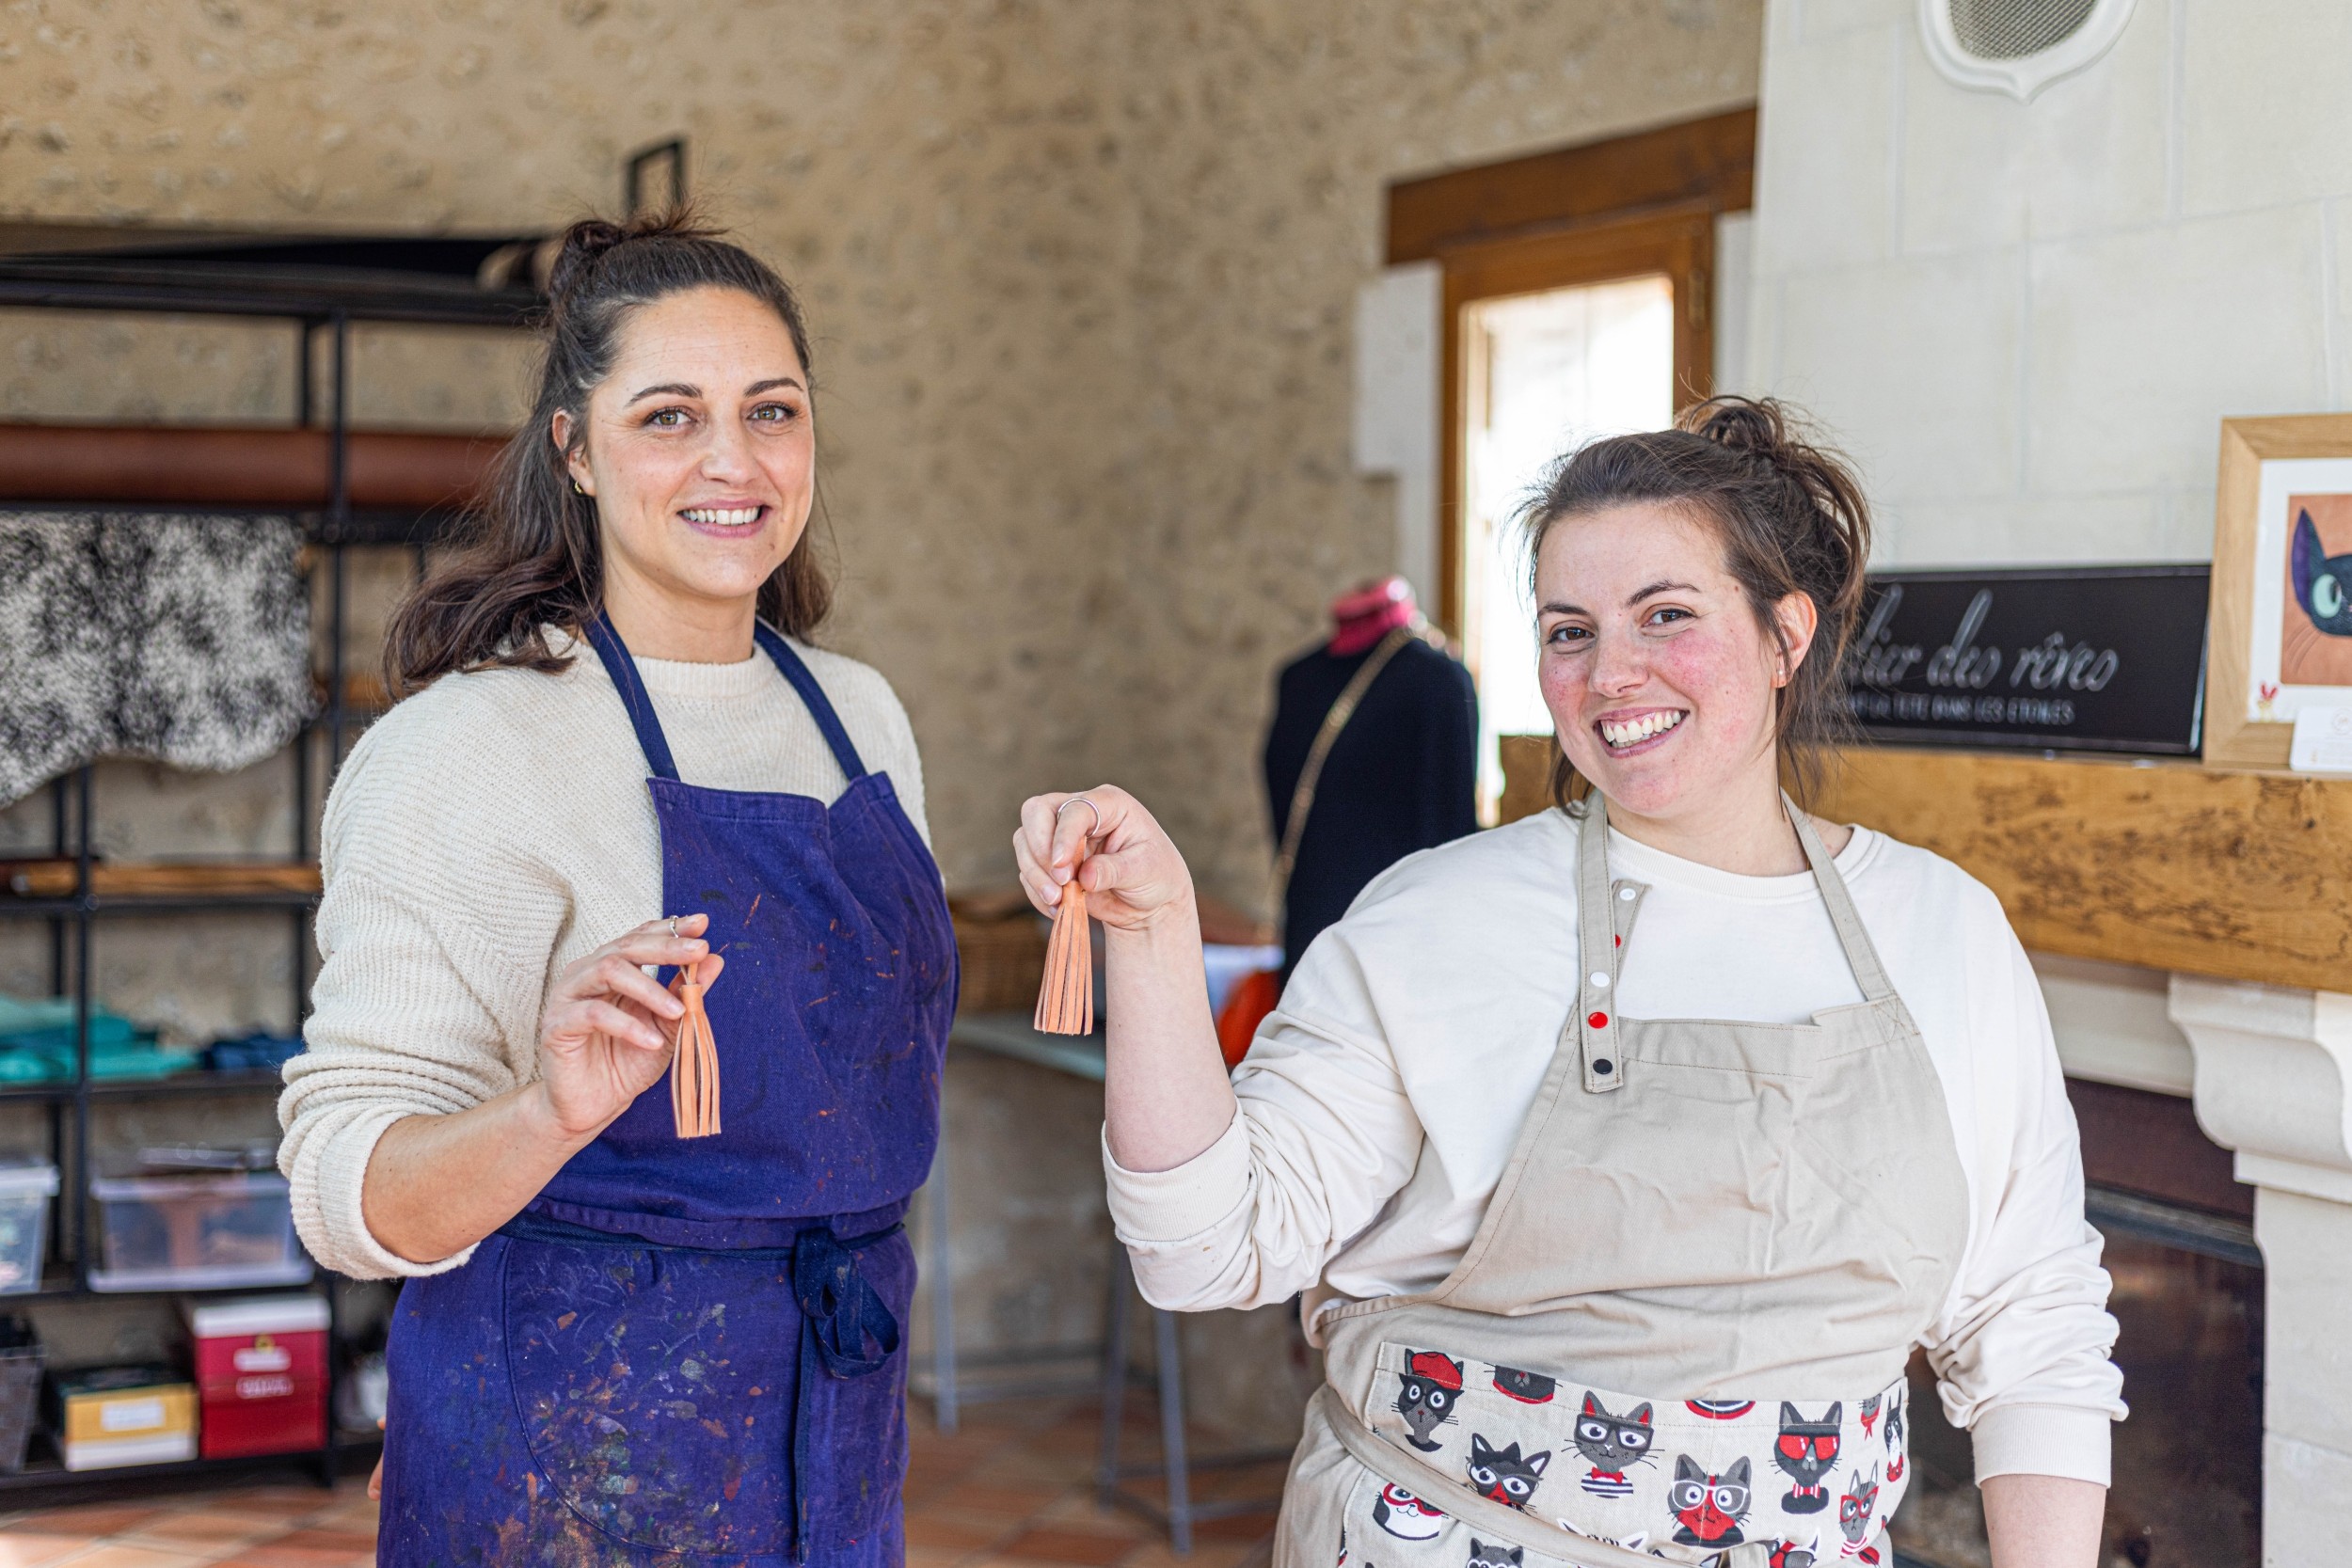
(1436, 1368)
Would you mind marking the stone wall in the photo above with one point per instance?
(1082, 276)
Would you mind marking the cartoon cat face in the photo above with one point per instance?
(1405, 1516)
(1808, 1450)
(1610, 1443)
(1708, 1509)
(1432, 1385)
(1854, 1508)
(2323, 582)
(1496, 1556)
(1502, 1474)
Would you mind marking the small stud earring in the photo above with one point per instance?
(576, 489)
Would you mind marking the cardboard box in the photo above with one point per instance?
(111, 1416)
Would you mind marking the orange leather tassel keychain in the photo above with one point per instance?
(694, 1070)
(1065, 1003)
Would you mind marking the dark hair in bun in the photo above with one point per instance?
(529, 555)
(1792, 520)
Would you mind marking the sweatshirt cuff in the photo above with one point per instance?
(2043, 1440)
(335, 1227)
(1159, 1208)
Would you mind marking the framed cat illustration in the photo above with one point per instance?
(2281, 621)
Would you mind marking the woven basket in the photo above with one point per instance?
(1001, 947)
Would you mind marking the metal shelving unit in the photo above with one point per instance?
(323, 287)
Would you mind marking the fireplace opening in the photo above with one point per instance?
(2188, 1298)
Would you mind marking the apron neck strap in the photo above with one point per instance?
(812, 698)
(1596, 918)
(639, 702)
(634, 697)
(1870, 974)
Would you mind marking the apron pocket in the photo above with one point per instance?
(852, 1437)
(654, 1391)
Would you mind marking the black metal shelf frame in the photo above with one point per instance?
(318, 301)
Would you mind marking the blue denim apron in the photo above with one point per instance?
(690, 1351)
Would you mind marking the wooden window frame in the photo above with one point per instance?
(1628, 207)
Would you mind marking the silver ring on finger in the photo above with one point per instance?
(1082, 800)
(673, 923)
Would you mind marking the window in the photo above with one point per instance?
(1578, 286)
(1547, 373)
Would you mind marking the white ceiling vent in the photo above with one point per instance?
(2018, 46)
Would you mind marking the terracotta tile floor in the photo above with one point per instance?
(1013, 1489)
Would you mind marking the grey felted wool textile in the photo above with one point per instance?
(183, 640)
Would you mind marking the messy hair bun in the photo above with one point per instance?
(529, 553)
(1792, 520)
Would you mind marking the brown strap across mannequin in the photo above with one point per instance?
(1344, 708)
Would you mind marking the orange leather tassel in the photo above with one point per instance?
(694, 1070)
(1065, 1003)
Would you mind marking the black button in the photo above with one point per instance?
(1604, 1067)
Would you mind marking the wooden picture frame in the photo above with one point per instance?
(2244, 728)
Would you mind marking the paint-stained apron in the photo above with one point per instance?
(691, 1351)
(1681, 1330)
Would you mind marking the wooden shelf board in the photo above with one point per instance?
(2241, 875)
(55, 878)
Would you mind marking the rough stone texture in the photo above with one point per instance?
(1081, 273)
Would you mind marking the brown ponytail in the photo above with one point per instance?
(1792, 520)
(527, 554)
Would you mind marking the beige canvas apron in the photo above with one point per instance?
(1681, 1327)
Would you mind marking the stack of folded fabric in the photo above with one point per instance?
(37, 1044)
(257, 1051)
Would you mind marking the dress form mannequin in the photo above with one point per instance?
(1401, 777)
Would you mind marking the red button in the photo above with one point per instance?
(1598, 1021)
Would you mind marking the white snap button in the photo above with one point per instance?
(1625, 894)
(1600, 980)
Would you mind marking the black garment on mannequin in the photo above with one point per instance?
(1402, 776)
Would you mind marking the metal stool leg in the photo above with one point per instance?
(943, 1293)
(1172, 1432)
(1114, 1313)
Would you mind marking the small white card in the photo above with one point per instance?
(2322, 741)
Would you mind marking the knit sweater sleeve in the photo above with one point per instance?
(433, 935)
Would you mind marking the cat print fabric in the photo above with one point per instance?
(1682, 1480)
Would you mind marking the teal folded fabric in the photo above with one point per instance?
(37, 1044)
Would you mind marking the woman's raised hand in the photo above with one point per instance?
(612, 1028)
(1134, 877)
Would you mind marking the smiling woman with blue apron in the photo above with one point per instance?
(630, 1332)
(1625, 1155)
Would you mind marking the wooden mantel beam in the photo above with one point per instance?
(2246, 876)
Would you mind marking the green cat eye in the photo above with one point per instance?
(2327, 595)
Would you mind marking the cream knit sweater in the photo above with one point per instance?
(485, 833)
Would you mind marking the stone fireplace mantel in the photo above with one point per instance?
(2272, 1068)
(2241, 885)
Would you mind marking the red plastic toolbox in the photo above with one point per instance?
(261, 1375)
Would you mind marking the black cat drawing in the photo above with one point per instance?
(2323, 582)
(1431, 1386)
(1503, 1475)
(1495, 1555)
(1808, 1450)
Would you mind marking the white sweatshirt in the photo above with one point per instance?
(1379, 1104)
(481, 835)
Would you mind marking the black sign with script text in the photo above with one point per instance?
(2103, 658)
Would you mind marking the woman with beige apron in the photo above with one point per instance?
(1617, 1235)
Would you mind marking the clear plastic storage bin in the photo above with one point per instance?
(24, 1193)
(228, 1231)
